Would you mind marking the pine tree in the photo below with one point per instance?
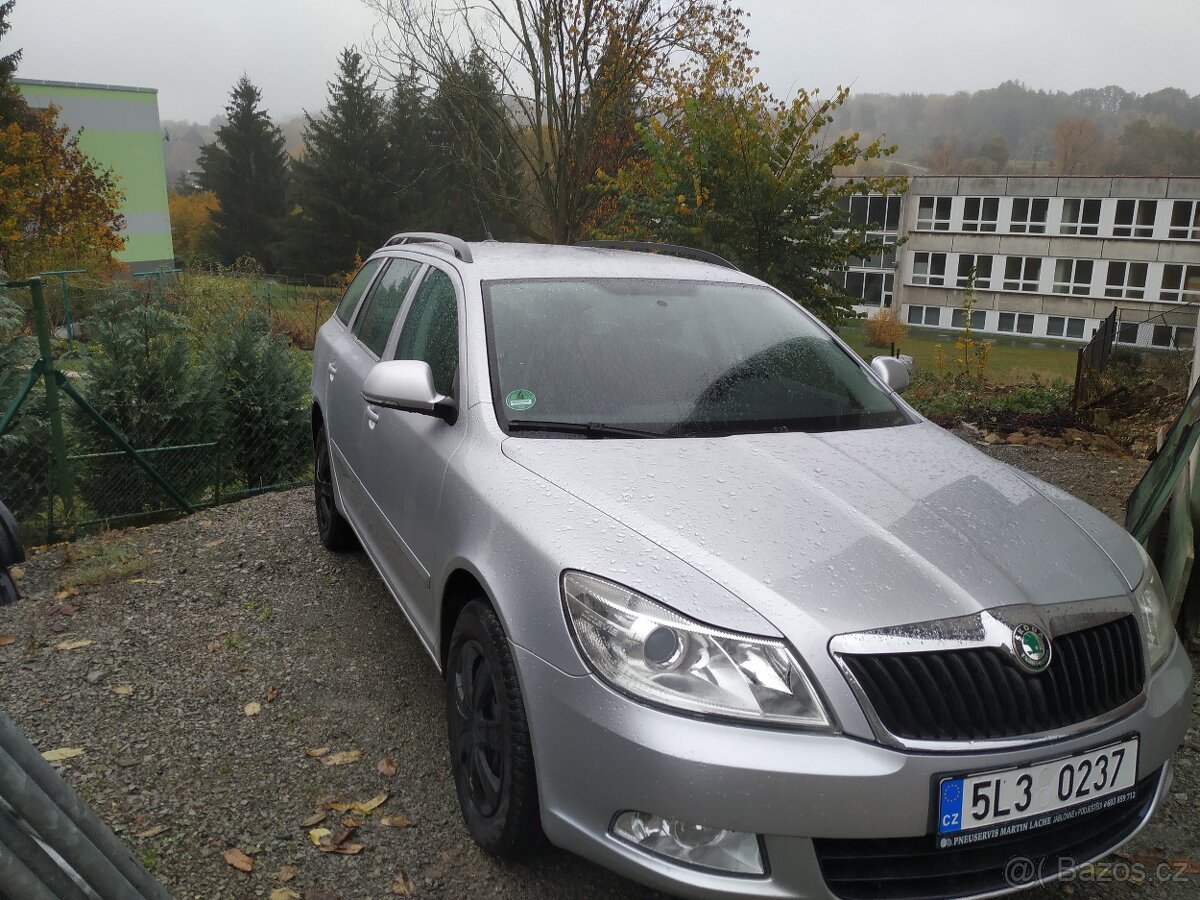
(342, 186)
(12, 105)
(246, 167)
(414, 176)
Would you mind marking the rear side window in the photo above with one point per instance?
(430, 331)
(374, 323)
(355, 291)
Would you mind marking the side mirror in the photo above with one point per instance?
(407, 384)
(891, 372)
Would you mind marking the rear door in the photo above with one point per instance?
(346, 411)
(410, 452)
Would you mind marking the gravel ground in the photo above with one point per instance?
(192, 621)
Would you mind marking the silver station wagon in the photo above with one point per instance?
(715, 608)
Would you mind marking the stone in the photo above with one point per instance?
(1017, 438)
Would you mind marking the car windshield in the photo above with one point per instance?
(669, 358)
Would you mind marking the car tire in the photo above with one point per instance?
(334, 531)
(490, 752)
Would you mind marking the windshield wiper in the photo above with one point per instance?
(587, 429)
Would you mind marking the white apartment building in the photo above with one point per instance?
(1049, 256)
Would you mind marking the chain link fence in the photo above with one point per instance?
(174, 393)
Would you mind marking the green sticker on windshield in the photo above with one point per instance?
(520, 400)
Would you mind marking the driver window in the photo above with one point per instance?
(430, 331)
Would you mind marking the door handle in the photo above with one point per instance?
(372, 417)
(332, 371)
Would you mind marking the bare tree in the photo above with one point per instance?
(575, 77)
(1077, 145)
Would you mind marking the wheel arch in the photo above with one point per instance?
(462, 585)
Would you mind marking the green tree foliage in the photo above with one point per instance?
(1147, 149)
(343, 187)
(246, 167)
(474, 179)
(24, 448)
(12, 105)
(265, 433)
(143, 379)
(753, 179)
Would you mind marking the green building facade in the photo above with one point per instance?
(120, 131)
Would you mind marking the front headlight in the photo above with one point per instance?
(650, 651)
(1150, 601)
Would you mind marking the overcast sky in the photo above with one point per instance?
(193, 51)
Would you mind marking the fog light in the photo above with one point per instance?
(696, 845)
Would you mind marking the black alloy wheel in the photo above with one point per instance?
(490, 752)
(335, 532)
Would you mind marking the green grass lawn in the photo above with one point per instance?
(1012, 360)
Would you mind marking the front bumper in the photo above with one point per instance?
(599, 753)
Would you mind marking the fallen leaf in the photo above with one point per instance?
(62, 753)
(342, 836)
(343, 849)
(402, 885)
(367, 805)
(6, 639)
(238, 860)
(287, 873)
(272, 694)
(317, 833)
(122, 690)
(387, 766)
(395, 821)
(315, 894)
(151, 832)
(350, 822)
(315, 819)
(213, 646)
(342, 758)
(73, 645)
(283, 893)
(339, 806)
(66, 592)
(17, 572)
(253, 708)
(146, 581)
(319, 751)
(206, 523)
(65, 609)
(217, 543)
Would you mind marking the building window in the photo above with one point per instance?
(876, 212)
(933, 214)
(1059, 326)
(1185, 220)
(981, 213)
(925, 315)
(1135, 218)
(980, 265)
(870, 288)
(883, 259)
(1021, 323)
(1080, 217)
(915, 315)
(1180, 283)
(1160, 336)
(1029, 215)
(1021, 273)
(1127, 333)
(959, 319)
(1185, 338)
(1073, 276)
(929, 268)
(1126, 279)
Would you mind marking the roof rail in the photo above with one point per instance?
(458, 245)
(668, 249)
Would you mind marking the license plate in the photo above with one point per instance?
(993, 804)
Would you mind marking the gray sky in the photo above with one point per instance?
(194, 50)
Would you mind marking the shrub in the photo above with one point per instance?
(142, 379)
(265, 437)
(884, 329)
(25, 447)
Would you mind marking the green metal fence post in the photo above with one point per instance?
(58, 439)
(66, 298)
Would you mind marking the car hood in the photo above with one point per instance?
(846, 531)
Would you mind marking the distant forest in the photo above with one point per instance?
(1010, 129)
(1013, 129)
